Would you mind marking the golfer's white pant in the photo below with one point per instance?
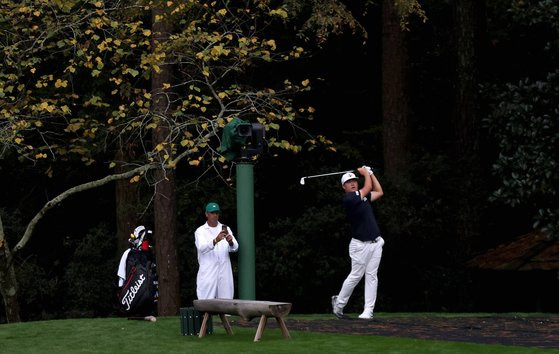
(365, 260)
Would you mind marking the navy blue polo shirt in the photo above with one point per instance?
(360, 214)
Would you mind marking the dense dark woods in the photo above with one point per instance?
(457, 115)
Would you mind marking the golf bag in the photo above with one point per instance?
(138, 296)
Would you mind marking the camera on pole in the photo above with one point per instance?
(241, 139)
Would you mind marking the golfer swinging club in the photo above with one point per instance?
(365, 247)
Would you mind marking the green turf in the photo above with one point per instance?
(118, 335)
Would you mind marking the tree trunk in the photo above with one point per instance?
(127, 203)
(395, 104)
(466, 122)
(8, 281)
(165, 201)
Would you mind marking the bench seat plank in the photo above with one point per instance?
(247, 310)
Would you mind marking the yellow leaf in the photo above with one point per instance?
(305, 82)
(18, 140)
(112, 164)
(222, 12)
(38, 123)
(279, 12)
(194, 162)
(159, 147)
(204, 125)
(221, 95)
(99, 4)
(205, 72)
(61, 83)
(135, 179)
(146, 32)
(272, 44)
(166, 86)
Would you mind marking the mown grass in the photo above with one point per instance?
(119, 335)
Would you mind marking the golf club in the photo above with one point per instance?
(322, 175)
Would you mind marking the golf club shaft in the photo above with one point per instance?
(327, 174)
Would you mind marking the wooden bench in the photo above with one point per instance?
(247, 310)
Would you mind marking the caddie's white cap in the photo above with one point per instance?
(348, 176)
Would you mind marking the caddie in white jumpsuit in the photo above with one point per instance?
(215, 276)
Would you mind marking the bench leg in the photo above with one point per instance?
(261, 327)
(204, 325)
(283, 327)
(226, 324)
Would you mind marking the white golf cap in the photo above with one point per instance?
(348, 176)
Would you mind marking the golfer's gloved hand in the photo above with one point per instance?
(370, 170)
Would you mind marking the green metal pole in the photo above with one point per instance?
(245, 232)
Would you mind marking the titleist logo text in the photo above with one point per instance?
(131, 293)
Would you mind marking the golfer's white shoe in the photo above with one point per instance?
(366, 315)
(336, 310)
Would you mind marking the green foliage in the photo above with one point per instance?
(89, 281)
(523, 116)
(37, 290)
(322, 19)
(525, 124)
(76, 78)
(86, 280)
(300, 253)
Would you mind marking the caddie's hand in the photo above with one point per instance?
(229, 239)
(220, 236)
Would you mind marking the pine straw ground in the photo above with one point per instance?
(538, 331)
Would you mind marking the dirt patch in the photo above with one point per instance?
(538, 332)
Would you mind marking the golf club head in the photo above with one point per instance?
(302, 181)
